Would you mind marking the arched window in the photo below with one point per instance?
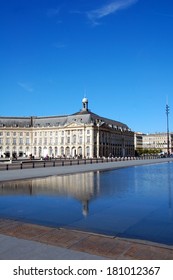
(62, 151)
(40, 151)
(67, 152)
(56, 151)
(50, 151)
(80, 151)
(88, 151)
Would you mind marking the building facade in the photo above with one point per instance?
(83, 134)
(138, 140)
(158, 141)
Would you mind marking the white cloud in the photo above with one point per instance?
(108, 9)
(25, 86)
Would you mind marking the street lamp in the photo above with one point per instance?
(167, 115)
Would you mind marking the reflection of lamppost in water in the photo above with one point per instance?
(167, 114)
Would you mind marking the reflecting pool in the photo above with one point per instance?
(134, 202)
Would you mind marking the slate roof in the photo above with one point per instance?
(15, 122)
(83, 117)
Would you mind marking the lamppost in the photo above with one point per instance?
(167, 117)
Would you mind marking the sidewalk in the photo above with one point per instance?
(13, 248)
(8, 175)
(24, 241)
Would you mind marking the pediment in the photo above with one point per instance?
(73, 124)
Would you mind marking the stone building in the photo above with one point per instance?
(138, 140)
(158, 141)
(83, 134)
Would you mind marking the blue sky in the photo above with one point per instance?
(118, 53)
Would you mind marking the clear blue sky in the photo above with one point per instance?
(118, 53)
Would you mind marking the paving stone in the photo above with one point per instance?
(62, 238)
(19, 249)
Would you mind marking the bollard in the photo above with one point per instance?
(44, 164)
(54, 163)
(7, 167)
(62, 163)
(21, 165)
(33, 165)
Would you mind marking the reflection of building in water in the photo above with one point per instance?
(80, 186)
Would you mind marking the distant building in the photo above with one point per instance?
(154, 141)
(83, 134)
(138, 140)
(158, 141)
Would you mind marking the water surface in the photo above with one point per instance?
(134, 202)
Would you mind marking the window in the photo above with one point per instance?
(80, 140)
(74, 139)
(27, 141)
(56, 140)
(88, 139)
